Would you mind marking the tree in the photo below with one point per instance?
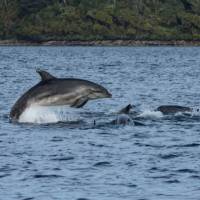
(27, 7)
(8, 15)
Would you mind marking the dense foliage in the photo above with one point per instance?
(41, 20)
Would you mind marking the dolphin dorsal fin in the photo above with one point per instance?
(45, 76)
(126, 109)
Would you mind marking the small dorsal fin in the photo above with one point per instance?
(126, 109)
(45, 75)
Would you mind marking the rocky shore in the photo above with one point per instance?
(101, 43)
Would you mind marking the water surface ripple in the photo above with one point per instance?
(81, 161)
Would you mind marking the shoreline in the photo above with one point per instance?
(100, 43)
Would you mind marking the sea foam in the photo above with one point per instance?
(41, 114)
(151, 114)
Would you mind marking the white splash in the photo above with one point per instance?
(151, 114)
(42, 115)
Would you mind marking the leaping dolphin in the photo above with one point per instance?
(52, 91)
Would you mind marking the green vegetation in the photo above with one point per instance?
(43, 20)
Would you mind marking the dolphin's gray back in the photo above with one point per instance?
(171, 109)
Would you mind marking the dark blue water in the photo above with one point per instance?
(80, 161)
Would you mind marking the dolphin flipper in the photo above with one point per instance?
(80, 102)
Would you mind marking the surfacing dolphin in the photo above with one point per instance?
(126, 109)
(52, 91)
(124, 118)
(173, 109)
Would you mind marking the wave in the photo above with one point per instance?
(55, 114)
(152, 114)
(42, 115)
